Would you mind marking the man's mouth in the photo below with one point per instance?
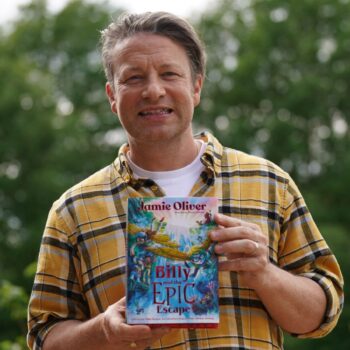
(156, 111)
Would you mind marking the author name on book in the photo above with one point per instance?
(179, 205)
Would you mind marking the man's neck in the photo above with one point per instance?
(165, 157)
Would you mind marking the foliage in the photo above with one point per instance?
(53, 113)
(338, 239)
(13, 303)
(277, 85)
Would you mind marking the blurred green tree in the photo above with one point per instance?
(277, 85)
(53, 113)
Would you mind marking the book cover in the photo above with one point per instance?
(172, 275)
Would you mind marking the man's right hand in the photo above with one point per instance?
(124, 336)
(107, 331)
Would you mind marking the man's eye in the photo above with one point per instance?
(169, 74)
(133, 78)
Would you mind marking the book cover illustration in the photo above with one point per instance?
(172, 275)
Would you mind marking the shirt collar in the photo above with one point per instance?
(211, 157)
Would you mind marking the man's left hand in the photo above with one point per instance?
(243, 244)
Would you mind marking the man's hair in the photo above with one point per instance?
(160, 23)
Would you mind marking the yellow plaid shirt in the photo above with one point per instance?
(81, 267)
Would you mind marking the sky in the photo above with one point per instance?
(185, 8)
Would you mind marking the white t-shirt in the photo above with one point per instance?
(175, 183)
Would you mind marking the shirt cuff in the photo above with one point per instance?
(36, 341)
(335, 302)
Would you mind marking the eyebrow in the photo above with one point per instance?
(172, 65)
(137, 68)
(130, 69)
(127, 70)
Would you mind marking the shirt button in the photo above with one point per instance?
(154, 188)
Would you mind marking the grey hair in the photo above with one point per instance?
(160, 23)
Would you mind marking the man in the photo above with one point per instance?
(276, 270)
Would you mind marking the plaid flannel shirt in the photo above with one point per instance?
(81, 267)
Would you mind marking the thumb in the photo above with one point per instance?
(120, 305)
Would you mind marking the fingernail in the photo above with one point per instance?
(213, 235)
(219, 248)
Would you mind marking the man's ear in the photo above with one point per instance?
(111, 97)
(197, 88)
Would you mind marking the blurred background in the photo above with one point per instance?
(278, 86)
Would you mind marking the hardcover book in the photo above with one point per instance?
(172, 275)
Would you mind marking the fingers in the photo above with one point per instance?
(143, 333)
(124, 336)
(244, 264)
(234, 233)
(121, 303)
(241, 262)
(137, 341)
(238, 246)
(131, 332)
(227, 221)
(242, 245)
(231, 229)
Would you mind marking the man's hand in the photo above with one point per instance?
(244, 246)
(123, 336)
(296, 303)
(107, 331)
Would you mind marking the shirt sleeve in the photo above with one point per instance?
(57, 292)
(304, 252)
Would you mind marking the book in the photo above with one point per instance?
(172, 270)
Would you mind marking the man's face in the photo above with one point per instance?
(154, 93)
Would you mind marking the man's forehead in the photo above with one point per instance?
(141, 48)
(145, 42)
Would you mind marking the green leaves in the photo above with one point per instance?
(277, 85)
(54, 121)
(277, 76)
(13, 300)
(287, 100)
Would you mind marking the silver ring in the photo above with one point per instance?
(133, 345)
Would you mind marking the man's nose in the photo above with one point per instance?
(154, 89)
